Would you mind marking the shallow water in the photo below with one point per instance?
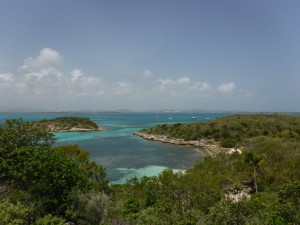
(119, 151)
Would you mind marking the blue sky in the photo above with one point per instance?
(149, 55)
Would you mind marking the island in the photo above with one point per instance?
(69, 124)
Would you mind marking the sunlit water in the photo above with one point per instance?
(119, 151)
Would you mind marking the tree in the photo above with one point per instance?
(49, 176)
(289, 200)
(17, 133)
(50, 220)
(74, 152)
(95, 173)
(14, 214)
(253, 161)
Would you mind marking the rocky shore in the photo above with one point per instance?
(72, 129)
(208, 146)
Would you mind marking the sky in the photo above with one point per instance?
(98, 55)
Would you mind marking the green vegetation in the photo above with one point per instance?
(69, 124)
(232, 130)
(16, 133)
(41, 184)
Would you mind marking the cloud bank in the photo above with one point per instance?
(41, 84)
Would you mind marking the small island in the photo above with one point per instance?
(70, 124)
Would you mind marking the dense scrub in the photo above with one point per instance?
(233, 129)
(40, 184)
(67, 123)
(201, 195)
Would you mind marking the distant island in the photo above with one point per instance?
(70, 124)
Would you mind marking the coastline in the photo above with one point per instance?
(204, 145)
(75, 129)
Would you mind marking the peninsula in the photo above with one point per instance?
(70, 124)
(205, 145)
(225, 134)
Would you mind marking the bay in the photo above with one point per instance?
(118, 150)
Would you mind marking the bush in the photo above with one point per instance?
(13, 214)
(228, 143)
(17, 133)
(46, 174)
(50, 220)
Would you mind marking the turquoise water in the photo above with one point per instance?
(118, 150)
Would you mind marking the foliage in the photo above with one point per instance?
(17, 133)
(95, 173)
(48, 175)
(60, 181)
(63, 185)
(13, 214)
(66, 123)
(90, 207)
(253, 161)
(232, 130)
(198, 196)
(288, 211)
(50, 220)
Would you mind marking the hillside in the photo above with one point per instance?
(70, 124)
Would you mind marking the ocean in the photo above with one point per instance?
(123, 154)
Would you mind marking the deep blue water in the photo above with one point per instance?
(118, 150)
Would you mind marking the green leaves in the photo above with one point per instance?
(232, 130)
(17, 133)
(95, 174)
(48, 175)
(14, 213)
(67, 123)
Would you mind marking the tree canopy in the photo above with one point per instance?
(69, 124)
(232, 130)
(17, 133)
(42, 183)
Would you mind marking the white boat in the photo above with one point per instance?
(194, 117)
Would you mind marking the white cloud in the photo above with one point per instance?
(165, 82)
(182, 87)
(76, 74)
(6, 78)
(183, 80)
(189, 85)
(41, 83)
(47, 58)
(122, 88)
(200, 86)
(226, 87)
(147, 74)
(46, 75)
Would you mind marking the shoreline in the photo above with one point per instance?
(204, 145)
(76, 129)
